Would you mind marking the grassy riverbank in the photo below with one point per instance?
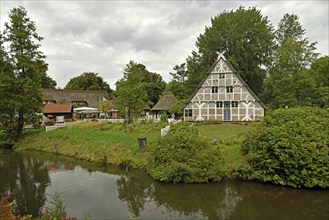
(117, 143)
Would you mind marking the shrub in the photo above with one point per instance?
(291, 147)
(183, 156)
(163, 118)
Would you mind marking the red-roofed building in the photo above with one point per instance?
(54, 110)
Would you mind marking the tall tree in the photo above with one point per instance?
(130, 93)
(181, 73)
(289, 82)
(320, 71)
(46, 81)
(245, 36)
(177, 85)
(139, 88)
(88, 81)
(7, 107)
(21, 87)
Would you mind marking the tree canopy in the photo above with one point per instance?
(88, 81)
(245, 37)
(138, 89)
(21, 75)
(320, 71)
(290, 83)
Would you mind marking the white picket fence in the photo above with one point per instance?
(53, 127)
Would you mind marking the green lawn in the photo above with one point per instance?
(229, 137)
(117, 143)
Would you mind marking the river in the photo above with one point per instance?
(106, 192)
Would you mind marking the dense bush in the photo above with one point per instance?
(291, 147)
(163, 118)
(183, 156)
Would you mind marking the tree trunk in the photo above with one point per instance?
(20, 126)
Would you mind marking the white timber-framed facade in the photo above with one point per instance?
(223, 95)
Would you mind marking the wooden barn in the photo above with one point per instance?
(223, 95)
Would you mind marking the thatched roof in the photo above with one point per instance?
(92, 98)
(165, 103)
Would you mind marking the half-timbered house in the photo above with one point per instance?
(223, 95)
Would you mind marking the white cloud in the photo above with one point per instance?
(103, 36)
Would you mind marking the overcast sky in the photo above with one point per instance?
(103, 36)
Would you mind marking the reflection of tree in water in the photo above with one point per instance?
(193, 199)
(229, 203)
(26, 176)
(135, 190)
(213, 201)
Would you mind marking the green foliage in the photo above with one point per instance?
(181, 73)
(21, 75)
(88, 81)
(319, 70)
(163, 118)
(105, 106)
(58, 211)
(138, 89)
(109, 143)
(184, 156)
(178, 89)
(290, 83)
(177, 107)
(46, 81)
(245, 36)
(291, 147)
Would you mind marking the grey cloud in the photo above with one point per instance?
(102, 36)
(116, 34)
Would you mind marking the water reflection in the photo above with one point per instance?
(26, 176)
(110, 192)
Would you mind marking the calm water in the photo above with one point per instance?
(112, 193)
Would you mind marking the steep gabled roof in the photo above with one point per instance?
(58, 108)
(221, 57)
(165, 103)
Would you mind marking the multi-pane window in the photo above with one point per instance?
(214, 89)
(229, 89)
(219, 104)
(234, 104)
(188, 112)
(222, 76)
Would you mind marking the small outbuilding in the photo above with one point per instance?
(51, 111)
(163, 105)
